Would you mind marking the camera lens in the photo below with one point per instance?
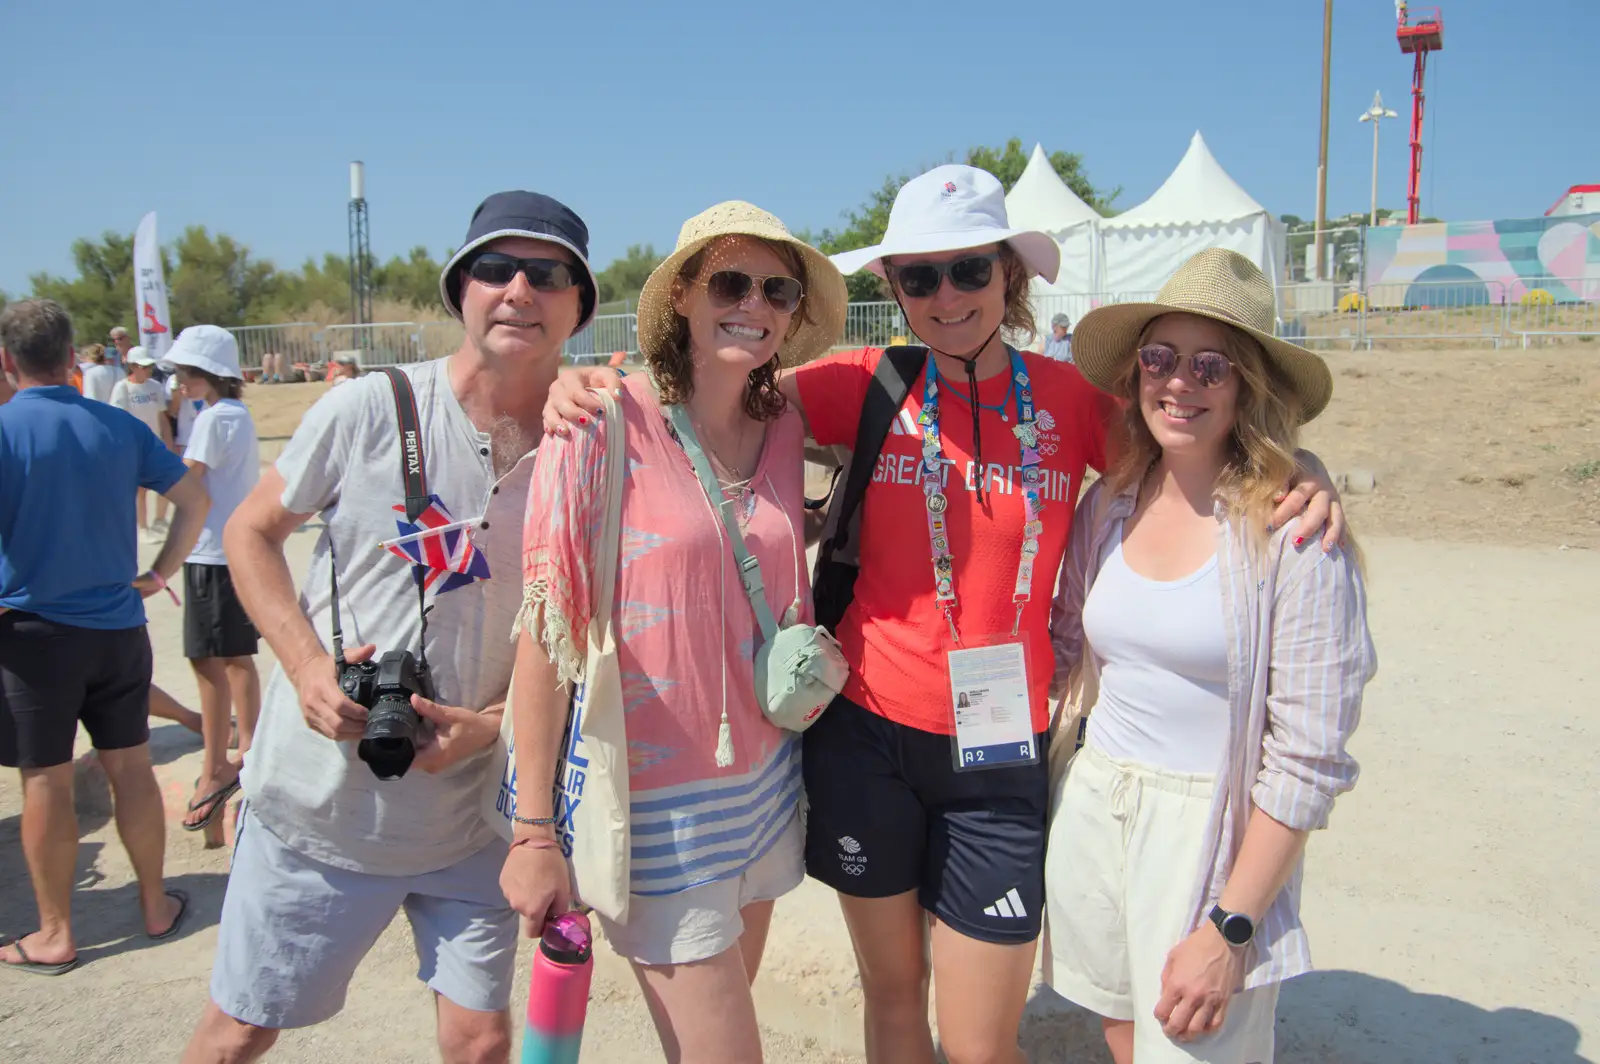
(389, 744)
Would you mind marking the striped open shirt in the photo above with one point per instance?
(1299, 655)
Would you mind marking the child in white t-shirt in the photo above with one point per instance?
(145, 399)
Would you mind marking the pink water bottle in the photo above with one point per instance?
(558, 992)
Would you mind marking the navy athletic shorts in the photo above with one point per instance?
(889, 813)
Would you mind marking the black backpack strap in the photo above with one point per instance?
(413, 467)
(833, 580)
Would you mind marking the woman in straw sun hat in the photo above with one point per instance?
(714, 787)
(1223, 670)
(971, 498)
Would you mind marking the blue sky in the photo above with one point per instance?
(243, 117)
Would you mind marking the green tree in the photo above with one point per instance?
(1009, 162)
(217, 282)
(414, 279)
(102, 294)
(624, 279)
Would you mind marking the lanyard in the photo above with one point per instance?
(937, 503)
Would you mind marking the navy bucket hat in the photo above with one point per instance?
(527, 214)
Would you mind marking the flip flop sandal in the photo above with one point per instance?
(33, 967)
(212, 804)
(182, 899)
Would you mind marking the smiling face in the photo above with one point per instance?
(952, 320)
(138, 373)
(737, 337)
(1184, 417)
(517, 323)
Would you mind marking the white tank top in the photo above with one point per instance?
(1163, 659)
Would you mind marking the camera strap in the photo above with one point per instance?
(413, 467)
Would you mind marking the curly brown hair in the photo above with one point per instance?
(672, 365)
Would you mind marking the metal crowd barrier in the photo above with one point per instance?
(296, 340)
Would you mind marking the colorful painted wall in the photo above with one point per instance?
(1490, 262)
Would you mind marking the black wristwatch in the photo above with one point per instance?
(1237, 928)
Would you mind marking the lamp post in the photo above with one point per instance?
(1322, 148)
(1376, 114)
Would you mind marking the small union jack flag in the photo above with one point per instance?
(443, 555)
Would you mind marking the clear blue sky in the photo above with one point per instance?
(243, 117)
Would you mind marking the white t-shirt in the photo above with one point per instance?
(343, 462)
(147, 401)
(188, 410)
(224, 438)
(98, 381)
(1163, 657)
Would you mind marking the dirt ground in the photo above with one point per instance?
(1450, 905)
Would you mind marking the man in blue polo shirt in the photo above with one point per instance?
(73, 647)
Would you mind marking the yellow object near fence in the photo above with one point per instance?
(1351, 303)
(1537, 297)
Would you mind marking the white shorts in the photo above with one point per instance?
(1125, 846)
(294, 930)
(701, 922)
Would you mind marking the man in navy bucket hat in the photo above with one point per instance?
(327, 852)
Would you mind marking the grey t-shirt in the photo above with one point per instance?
(344, 463)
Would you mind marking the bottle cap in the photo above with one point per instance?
(567, 939)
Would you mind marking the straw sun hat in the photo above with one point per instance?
(1217, 284)
(825, 295)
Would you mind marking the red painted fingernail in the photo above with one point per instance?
(582, 420)
(1299, 540)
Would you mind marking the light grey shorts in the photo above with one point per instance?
(294, 930)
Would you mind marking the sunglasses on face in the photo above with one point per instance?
(728, 288)
(919, 280)
(1209, 369)
(496, 269)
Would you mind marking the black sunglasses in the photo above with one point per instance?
(496, 269)
(919, 280)
(1208, 368)
(728, 288)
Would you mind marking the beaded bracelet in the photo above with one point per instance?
(533, 821)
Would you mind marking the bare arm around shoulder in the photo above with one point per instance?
(535, 877)
(571, 397)
(254, 542)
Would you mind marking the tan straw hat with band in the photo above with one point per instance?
(1217, 284)
(824, 301)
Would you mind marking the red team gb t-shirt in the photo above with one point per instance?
(894, 635)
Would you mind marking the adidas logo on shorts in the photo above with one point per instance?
(1008, 907)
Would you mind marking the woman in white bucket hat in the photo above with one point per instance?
(1224, 671)
(972, 496)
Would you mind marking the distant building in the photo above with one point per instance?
(1579, 199)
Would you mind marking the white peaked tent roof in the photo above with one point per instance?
(1041, 200)
(1197, 191)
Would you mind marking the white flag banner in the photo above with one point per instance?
(150, 290)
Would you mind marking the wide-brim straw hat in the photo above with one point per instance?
(950, 208)
(1217, 284)
(825, 298)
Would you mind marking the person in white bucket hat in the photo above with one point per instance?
(963, 527)
(143, 397)
(219, 638)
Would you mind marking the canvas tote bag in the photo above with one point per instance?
(591, 779)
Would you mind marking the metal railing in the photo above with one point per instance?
(295, 340)
(603, 337)
(386, 343)
(874, 325)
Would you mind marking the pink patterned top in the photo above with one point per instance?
(686, 634)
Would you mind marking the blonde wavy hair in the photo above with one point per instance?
(1266, 431)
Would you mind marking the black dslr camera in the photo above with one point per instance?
(384, 688)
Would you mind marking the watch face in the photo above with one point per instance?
(1238, 929)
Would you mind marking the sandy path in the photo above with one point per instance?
(1451, 905)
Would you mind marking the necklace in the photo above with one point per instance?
(999, 408)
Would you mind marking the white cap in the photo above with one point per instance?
(949, 208)
(205, 347)
(138, 356)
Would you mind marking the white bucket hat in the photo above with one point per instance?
(949, 208)
(138, 356)
(205, 347)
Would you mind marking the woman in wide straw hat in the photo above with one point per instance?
(714, 788)
(962, 526)
(1223, 669)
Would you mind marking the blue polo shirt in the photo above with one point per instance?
(69, 470)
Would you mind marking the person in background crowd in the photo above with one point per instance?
(121, 344)
(326, 854)
(73, 645)
(344, 368)
(144, 398)
(1058, 345)
(100, 377)
(218, 637)
(181, 412)
(1222, 671)
(273, 368)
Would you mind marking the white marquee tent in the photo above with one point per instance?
(1198, 206)
(1041, 200)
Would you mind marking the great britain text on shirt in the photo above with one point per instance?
(1054, 484)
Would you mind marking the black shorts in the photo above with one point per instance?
(214, 622)
(54, 675)
(889, 813)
